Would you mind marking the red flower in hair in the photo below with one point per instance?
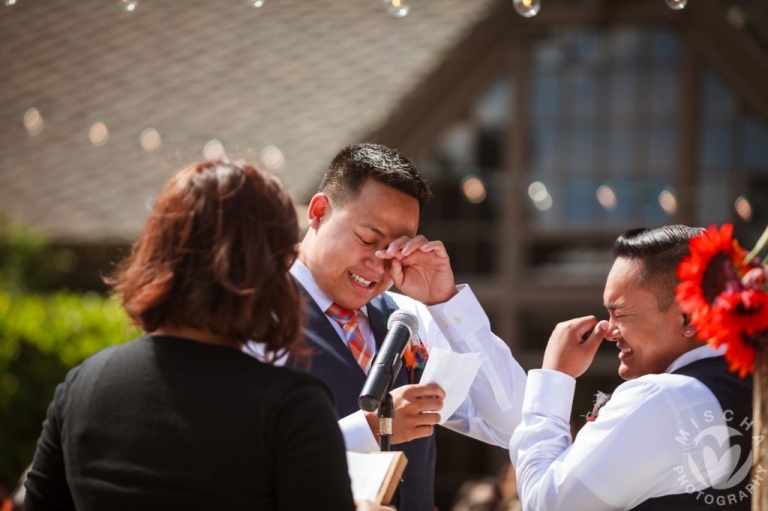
(725, 297)
(739, 320)
(713, 263)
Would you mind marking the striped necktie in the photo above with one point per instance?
(347, 319)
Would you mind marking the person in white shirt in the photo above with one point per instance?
(675, 435)
(362, 239)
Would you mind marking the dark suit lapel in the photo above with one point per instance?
(377, 318)
(321, 334)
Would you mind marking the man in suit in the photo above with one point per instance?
(675, 435)
(362, 239)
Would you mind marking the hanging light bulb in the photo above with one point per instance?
(527, 8)
(98, 134)
(9, 3)
(254, 3)
(213, 149)
(129, 5)
(398, 8)
(33, 121)
(676, 5)
(606, 197)
(473, 189)
(150, 139)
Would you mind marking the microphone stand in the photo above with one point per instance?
(386, 415)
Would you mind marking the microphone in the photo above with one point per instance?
(402, 325)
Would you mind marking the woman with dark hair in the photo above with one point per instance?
(180, 418)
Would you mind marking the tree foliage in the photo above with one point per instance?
(42, 336)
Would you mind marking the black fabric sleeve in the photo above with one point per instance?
(46, 483)
(310, 459)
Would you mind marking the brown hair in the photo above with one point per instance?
(214, 255)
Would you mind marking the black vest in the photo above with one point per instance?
(332, 362)
(735, 395)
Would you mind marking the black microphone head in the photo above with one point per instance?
(407, 318)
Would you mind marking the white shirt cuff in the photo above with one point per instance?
(462, 313)
(549, 393)
(357, 434)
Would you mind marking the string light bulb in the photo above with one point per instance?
(129, 5)
(150, 139)
(668, 201)
(98, 134)
(398, 8)
(743, 208)
(213, 149)
(473, 189)
(33, 121)
(676, 5)
(527, 8)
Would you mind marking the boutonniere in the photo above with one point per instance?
(601, 398)
(415, 354)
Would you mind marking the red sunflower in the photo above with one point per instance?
(725, 297)
(739, 320)
(714, 263)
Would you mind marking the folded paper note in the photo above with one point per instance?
(454, 372)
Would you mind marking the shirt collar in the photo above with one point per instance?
(700, 353)
(306, 279)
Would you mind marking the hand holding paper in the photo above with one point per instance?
(454, 372)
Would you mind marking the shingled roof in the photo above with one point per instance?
(304, 76)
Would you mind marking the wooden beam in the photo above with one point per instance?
(733, 54)
(689, 133)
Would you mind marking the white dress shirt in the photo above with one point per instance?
(632, 452)
(491, 411)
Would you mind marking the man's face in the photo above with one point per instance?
(649, 339)
(340, 249)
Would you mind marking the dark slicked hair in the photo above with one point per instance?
(660, 250)
(355, 164)
(214, 255)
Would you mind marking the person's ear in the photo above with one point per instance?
(318, 208)
(688, 329)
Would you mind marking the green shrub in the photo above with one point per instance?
(41, 338)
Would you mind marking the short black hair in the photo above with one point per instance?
(660, 250)
(357, 163)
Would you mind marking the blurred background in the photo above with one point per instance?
(544, 137)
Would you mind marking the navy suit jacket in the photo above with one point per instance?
(332, 362)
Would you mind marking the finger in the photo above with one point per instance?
(435, 246)
(393, 249)
(416, 407)
(421, 432)
(424, 390)
(428, 405)
(414, 244)
(596, 335)
(396, 272)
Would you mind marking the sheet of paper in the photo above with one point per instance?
(454, 372)
(367, 472)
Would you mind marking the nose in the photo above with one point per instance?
(376, 264)
(613, 333)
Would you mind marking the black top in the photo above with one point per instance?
(169, 423)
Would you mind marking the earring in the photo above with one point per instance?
(688, 331)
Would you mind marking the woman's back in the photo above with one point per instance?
(165, 422)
